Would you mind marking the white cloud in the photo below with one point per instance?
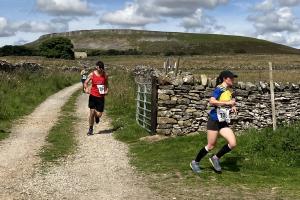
(289, 2)
(8, 28)
(294, 40)
(20, 41)
(290, 39)
(64, 7)
(127, 17)
(199, 22)
(266, 5)
(141, 12)
(274, 37)
(176, 8)
(40, 27)
(5, 30)
(275, 20)
(270, 4)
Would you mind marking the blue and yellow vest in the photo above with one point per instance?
(221, 93)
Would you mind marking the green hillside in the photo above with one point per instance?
(168, 43)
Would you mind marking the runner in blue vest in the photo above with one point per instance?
(223, 103)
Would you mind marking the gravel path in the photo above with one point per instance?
(18, 153)
(99, 169)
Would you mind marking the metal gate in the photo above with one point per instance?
(146, 104)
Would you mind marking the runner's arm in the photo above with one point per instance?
(214, 102)
(216, 95)
(234, 109)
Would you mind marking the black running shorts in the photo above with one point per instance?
(96, 103)
(215, 125)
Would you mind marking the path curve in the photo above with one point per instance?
(18, 153)
(99, 169)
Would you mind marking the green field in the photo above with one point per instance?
(251, 68)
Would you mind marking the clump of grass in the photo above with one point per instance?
(278, 149)
(121, 106)
(21, 92)
(262, 160)
(61, 139)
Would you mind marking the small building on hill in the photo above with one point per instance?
(80, 55)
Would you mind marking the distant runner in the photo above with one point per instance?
(99, 89)
(223, 103)
(84, 74)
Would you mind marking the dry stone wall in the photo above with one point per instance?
(183, 104)
(8, 67)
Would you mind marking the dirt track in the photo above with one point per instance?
(99, 170)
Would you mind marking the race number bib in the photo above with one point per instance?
(101, 89)
(84, 77)
(223, 114)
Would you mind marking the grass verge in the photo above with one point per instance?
(265, 165)
(21, 92)
(121, 107)
(61, 139)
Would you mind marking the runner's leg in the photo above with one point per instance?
(91, 118)
(98, 114)
(211, 142)
(228, 134)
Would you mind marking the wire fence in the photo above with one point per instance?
(280, 75)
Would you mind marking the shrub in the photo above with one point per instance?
(57, 47)
(10, 50)
(241, 51)
(113, 52)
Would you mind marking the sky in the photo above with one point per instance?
(23, 21)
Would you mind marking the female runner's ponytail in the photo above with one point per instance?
(219, 80)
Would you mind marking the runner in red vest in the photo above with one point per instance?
(99, 89)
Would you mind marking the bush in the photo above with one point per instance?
(113, 52)
(57, 47)
(10, 50)
(240, 51)
(170, 53)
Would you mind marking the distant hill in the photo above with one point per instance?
(168, 43)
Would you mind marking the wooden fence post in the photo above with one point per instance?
(272, 97)
(168, 65)
(154, 105)
(177, 66)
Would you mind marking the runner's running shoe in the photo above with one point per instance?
(195, 167)
(90, 132)
(215, 163)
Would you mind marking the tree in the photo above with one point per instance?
(9, 50)
(57, 47)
